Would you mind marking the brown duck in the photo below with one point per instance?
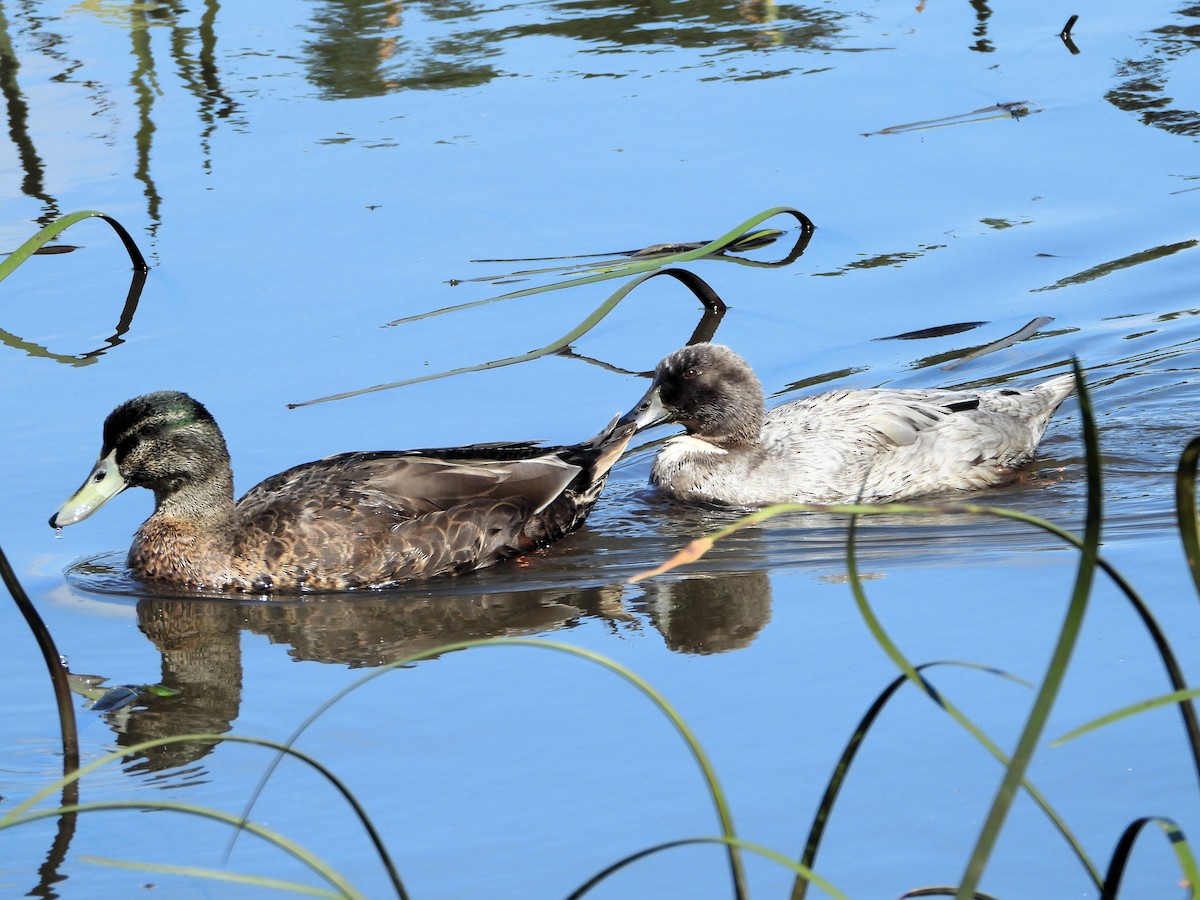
(355, 520)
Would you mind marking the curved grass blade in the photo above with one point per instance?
(716, 793)
(1185, 507)
(255, 881)
(58, 672)
(697, 285)
(941, 891)
(1125, 712)
(625, 269)
(698, 547)
(16, 814)
(892, 650)
(751, 241)
(1120, 858)
(1014, 775)
(296, 851)
(842, 769)
(770, 854)
(51, 231)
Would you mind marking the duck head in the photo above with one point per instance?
(164, 441)
(709, 390)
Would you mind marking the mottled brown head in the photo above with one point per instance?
(163, 440)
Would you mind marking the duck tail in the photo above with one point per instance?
(1057, 390)
(606, 448)
(595, 458)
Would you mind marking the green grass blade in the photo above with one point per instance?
(842, 769)
(698, 547)
(1185, 507)
(255, 881)
(894, 653)
(716, 793)
(638, 266)
(1015, 773)
(296, 851)
(19, 812)
(1125, 712)
(51, 231)
(693, 282)
(801, 871)
(1120, 858)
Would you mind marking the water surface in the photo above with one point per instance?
(302, 175)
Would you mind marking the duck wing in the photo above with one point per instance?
(372, 519)
(883, 444)
(411, 484)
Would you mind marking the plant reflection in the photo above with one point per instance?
(124, 321)
(359, 48)
(1145, 82)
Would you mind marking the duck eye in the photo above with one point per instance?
(690, 373)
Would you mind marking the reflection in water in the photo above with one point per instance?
(1013, 110)
(356, 41)
(202, 662)
(17, 112)
(359, 48)
(193, 61)
(1145, 81)
(709, 614)
(1115, 265)
(200, 643)
(124, 321)
(982, 14)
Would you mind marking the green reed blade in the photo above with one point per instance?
(1014, 775)
(892, 650)
(695, 549)
(58, 672)
(296, 851)
(842, 769)
(801, 871)
(1185, 507)
(716, 793)
(255, 881)
(19, 812)
(1120, 858)
(636, 267)
(51, 231)
(697, 285)
(1125, 712)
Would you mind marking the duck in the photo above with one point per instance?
(349, 521)
(844, 446)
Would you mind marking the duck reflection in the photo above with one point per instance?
(202, 662)
(710, 614)
(200, 643)
(202, 668)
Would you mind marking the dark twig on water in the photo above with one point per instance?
(1065, 34)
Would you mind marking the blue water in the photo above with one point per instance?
(299, 175)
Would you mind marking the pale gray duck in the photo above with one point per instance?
(845, 446)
